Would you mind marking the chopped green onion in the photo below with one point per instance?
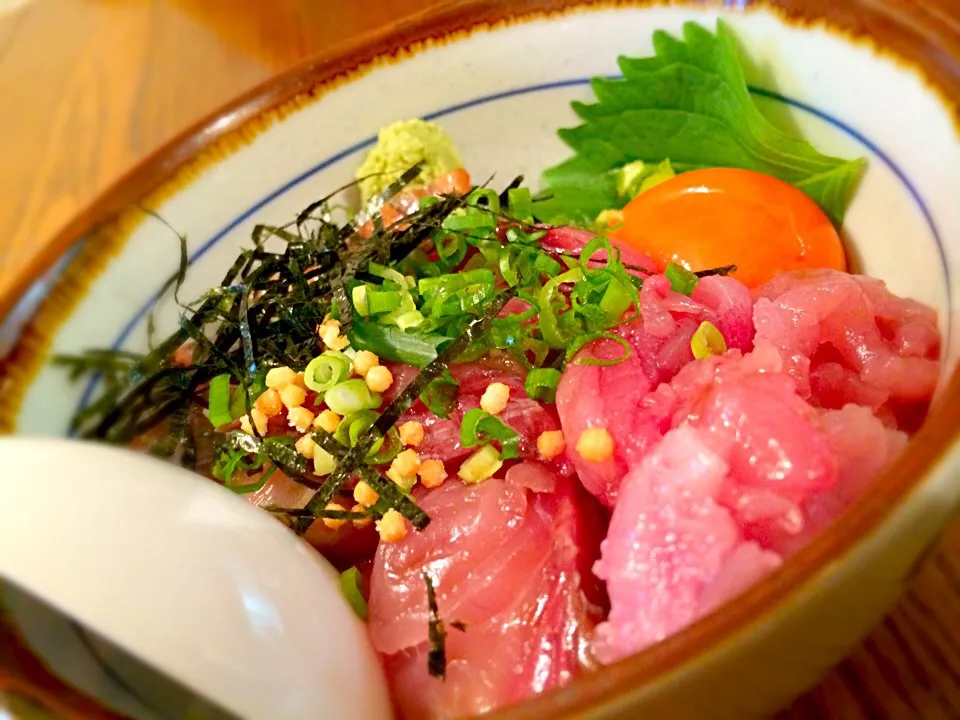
(234, 460)
(508, 262)
(538, 348)
(403, 310)
(390, 342)
(599, 244)
(350, 587)
(461, 302)
(390, 274)
(451, 249)
(441, 395)
(479, 194)
(681, 279)
(480, 466)
(589, 338)
(541, 384)
(359, 297)
(516, 235)
(247, 488)
(351, 426)
(543, 263)
(489, 249)
(520, 202)
(323, 462)
(410, 319)
(707, 341)
(354, 425)
(385, 450)
(445, 285)
(616, 301)
(219, 401)
(326, 370)
(480, 427)
(553, 334)
(404, 482)
(470, 219)
(382, 301)
(351, 396)
(238, 404)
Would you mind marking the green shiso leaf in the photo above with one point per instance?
(689, 103)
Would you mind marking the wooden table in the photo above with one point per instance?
(89, 87)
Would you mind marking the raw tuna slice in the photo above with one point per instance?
(508, 563)
(617, 397)
(528, 417)
(572, 240)
(343, 547)
(863, 448)
(672, 552)
(847, 339)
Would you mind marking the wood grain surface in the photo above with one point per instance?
(90, 87)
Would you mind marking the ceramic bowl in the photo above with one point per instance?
(867, 79)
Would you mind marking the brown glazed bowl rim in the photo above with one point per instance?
(928, 34)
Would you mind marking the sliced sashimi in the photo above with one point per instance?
(617, 397)
(863, 447)
(608, 397)
(847, 339)
(483, 539)
(669, 541)
(527, 417)
(573, 240)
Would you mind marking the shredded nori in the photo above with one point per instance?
(263, 314)
(437, 657)
(724, 270)
(350, 460)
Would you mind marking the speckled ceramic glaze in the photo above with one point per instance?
(502, 92)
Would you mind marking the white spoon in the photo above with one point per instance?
(183, 575)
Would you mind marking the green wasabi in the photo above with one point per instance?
(402, 145)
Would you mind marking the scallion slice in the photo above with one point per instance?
(351, 396)
(383, 301)
(385, 449)
(707, 341)
(359, 297)
(582, 340)
(350, 587)
(485, 198)
(351, 426)
(520, 202)
(681, 279)
(541, 384)
(616, 300)
(441, 395)
(451, 248)
(470, 219)
(480, 427)
(326, 370)
(446, 285)
(480, 466)
(219, 401)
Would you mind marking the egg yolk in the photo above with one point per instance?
(722, 216)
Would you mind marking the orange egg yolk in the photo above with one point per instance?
(722, 216)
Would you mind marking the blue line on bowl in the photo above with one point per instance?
(529, 89)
